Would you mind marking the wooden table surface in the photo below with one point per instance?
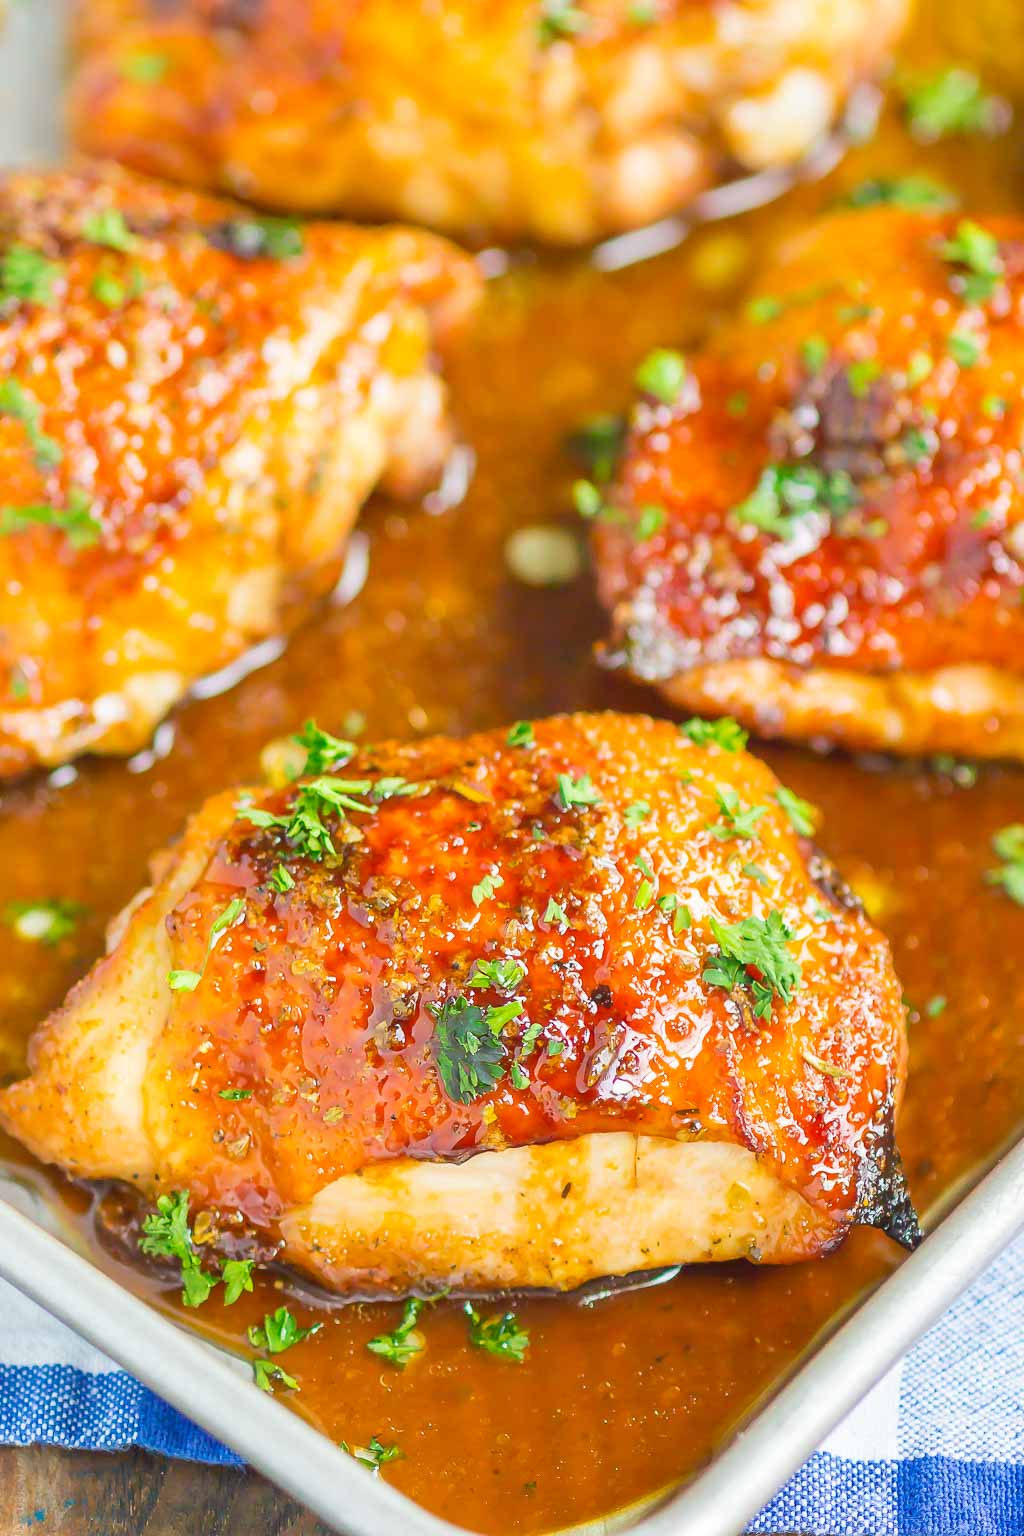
(96, 1493)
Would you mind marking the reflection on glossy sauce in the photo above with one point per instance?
(622, 1397)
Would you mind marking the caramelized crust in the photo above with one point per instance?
(472, 115)
(200, 404)
(302, 1084)
(890, 614)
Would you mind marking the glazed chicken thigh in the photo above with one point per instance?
(539, 118)
(833, 541)
(519, 1010)
(194, 403)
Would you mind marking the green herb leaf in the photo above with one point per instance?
(267, 1375)
(253, 239)
(736, 820)
(787, 493)
(279, 1331)
(17, 403)
(43, 922)
(468, 1049)
(521, 735)
(323, 751)
(144, 67)
(1008, 845)
(596, 444)
(499, 1335)
(404, 1343)
(554, 913)
(502, 975)
(759, 943)
(976, 250)
(915, 193)
(486, 888)
(375, 1455)
(166, 1233)
(662, 374)
(237, 1278)
(726, 733)
(107, 227)
(952, 101)
(76, 521)
(559, 19)
(801, 813)
(28, 275)
(575, 792)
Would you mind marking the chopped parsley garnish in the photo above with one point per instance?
(43, 922)
(726, 733)
(1008, 845)
(920, 367)
(650, 521)
(76, 521)
(764, 309)
(323, 751)
(597, 443)
(486, 888)
(963, 349)
(236, 1095)
(736, 820)
(861, 375)
(910, 192)
(166, 1234)
(935, 1005)
(575, 792)
(801, 813)
(645, 890)
(560, 18)
(253, 239)
(144, 67)
(187, 981)
(268, 1374)
(977, 251)
(952, 101)
(27, 274)
(468, 1047)
(662, 374)
(634, 814)
(237, 1278)
(304, 827)
(554, 913)
(521, 735)
(108, 290)
(918, 446)
(282, 879)
(759, 943)
(499, 1335)
(994, 407)
(404, 1343)
(375, 1455)
(17, 403)
(279, 1331)
(107, 227)
(502, 975)
(677, 910)
(787, 493)
(814, 352)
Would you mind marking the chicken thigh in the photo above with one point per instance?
(819, 524)
(517, 1010)
(549, 119)
(194, 402)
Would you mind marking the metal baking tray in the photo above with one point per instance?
(215, 1391)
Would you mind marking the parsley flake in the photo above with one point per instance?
(950, 102)
(77, 521)
(499, 1335)
(502, 975)
(521, 735)
(43, 922)
(726, 733)
(554, 913)
(166, 1234)
(252, 239)
(404, 1343)
(575, 792)
(268, 1373)
(801, 813)
(187, 981)
(787, 493)
(468, 1048)
(486, 888)
(736, 821)
(279, 1331)
(19, 405)
(375, 1455)
(597, 443)
(560, 19)
(757, 942)
(107, 227)
(1008, 845)
(915, 193)
(27, 274)
(662, 374)
(974, 249)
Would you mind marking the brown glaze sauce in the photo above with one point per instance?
(621, 1398)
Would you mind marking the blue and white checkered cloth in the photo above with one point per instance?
(937, 1449)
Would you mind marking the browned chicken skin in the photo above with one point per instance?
(194, 404)
(836, 549)
(515, 1010)
(537, 118)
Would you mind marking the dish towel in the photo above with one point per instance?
(937, 1449)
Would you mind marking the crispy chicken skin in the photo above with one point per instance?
(485, 116)
(193, 406)
(339, 1082)
(842, 552)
